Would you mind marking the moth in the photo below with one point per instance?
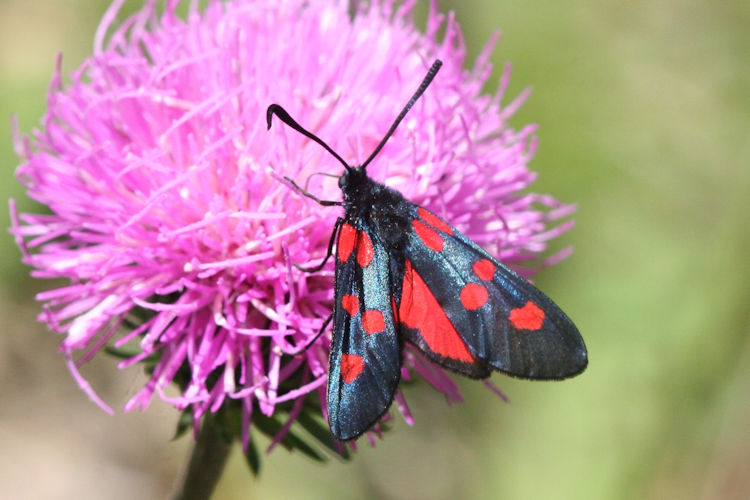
(403, 274)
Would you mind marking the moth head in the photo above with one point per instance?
(353, 177)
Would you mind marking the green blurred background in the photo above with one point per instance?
(644, 113)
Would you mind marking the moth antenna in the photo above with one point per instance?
(275, 109)
(422, 87)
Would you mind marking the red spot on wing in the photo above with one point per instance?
(484, 269)
(347, 234)
(473, 296)
(528, 317)
(351, 367)
(364, 249)
(429, 236)
(350, 303)
(434, 221)
(420, 310)
(372, 321)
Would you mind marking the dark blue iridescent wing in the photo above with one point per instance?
(505, 323)
(365, 361)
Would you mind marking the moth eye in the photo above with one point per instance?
(342, 181)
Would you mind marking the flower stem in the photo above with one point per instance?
(201, 473)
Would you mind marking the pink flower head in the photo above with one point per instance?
(169, 215)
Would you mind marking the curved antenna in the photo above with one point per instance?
(275, 109)
(422, 87)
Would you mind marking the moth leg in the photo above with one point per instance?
(316, 337)
(317, 268)
(326, 174)
(325, 203)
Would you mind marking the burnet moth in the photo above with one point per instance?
(403, 274)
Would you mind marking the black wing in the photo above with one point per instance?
(365, 363)
(505, 323)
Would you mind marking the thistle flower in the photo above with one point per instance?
(172, 223)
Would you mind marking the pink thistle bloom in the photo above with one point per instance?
(169, 216)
